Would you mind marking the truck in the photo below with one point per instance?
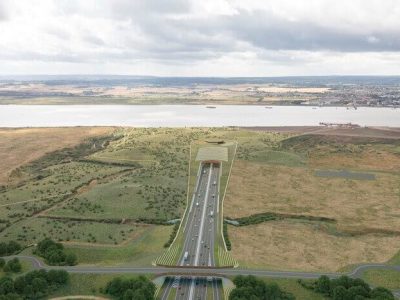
(186, 255)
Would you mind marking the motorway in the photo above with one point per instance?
(200, 230)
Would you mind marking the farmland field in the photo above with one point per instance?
(280, 178)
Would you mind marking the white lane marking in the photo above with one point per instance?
(191, 289)
(196, 260)
(200, 237)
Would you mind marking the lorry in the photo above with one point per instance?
(186, 255)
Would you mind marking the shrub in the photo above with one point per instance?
(345, 287)
(9, 248)
(133, 288)
(54, 253)
(172, 235)
(13, 266)
(249, 287)
(226, 237)
(33, 285)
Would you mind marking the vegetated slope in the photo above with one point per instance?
(21, 146)
(283, 181)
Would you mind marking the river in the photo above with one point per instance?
(190, 115)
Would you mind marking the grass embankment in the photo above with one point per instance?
(21, 146)
(292, 286)
(274, 173)
(87, 284)
(389, 279)
(139, 252)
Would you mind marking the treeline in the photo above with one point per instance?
(9, 248)
(54, 253)
(269, 216)
(129, 289)
(13, 265)
(33, 285)
(251, 288)
(226, 236)
(346, 288)
(172, 235)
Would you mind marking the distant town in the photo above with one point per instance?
(348, 91)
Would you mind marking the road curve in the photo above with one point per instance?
(356, 273)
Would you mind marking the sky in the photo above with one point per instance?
(200, 37)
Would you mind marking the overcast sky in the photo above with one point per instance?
(200, 37)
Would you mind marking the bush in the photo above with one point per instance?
(129, 289)
(249, 287)
(13, 266)
(226, 237)
(33, 285)
(344, 287)
(54, 253)
(172, 235)
(9, 248)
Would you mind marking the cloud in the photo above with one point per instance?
(3, 13)
(204, 34)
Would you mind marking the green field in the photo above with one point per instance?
(292, 286)
(87, 284)
(389, 279)
(140, 252)
(70, 231)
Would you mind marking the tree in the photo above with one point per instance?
(39, 286)
(57, 277)
(33, 285)
(13, 266)
(6, 286)
(135, 288)
(339, 293)
(54, 253)
(357, 291)
(71, 259)
(13, 247)
(381, 294)
(128, 295)
(249, 287)
(323, 285)
(9, 248)
(2, 262)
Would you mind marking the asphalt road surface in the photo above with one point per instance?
(199, 238)
(216, 272)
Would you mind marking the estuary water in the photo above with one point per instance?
(191, 115)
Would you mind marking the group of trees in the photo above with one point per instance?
(54, 253)
(172, 235)
(13, 265)
(226, 237)
(346, 288)
(33, 285)
(251, 288)
(9, 248)
(139, 288)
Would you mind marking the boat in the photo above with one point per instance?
(268, 107)
(209, 106)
